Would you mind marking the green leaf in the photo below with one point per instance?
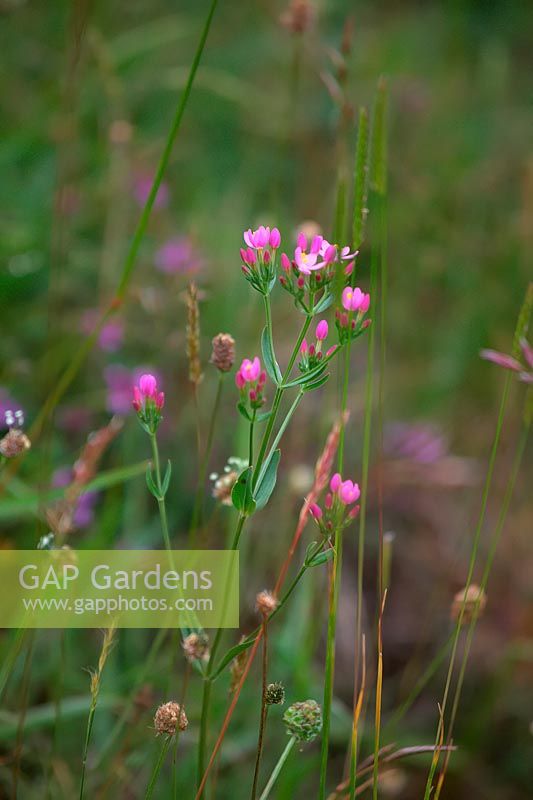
(315, 384)
(323, 304)
(152, 488)
(314, 559)
(243, 411)
(263, 416)
(268, 480)
(307, 376)
(241, 494)
(272, 366)
(233, 652)
(378, 148)
(166, 479)
(360, 180)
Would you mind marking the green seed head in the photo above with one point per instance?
(304, 720)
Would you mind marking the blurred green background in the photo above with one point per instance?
(88, 91)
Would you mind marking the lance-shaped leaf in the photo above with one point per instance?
(272, 366)
(267, 480)
(241, 495)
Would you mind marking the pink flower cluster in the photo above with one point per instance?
(250, 380)
(314, 265)
(148, 401)
(354, 302)
(341, 495)
(259, 255)
(318, 253)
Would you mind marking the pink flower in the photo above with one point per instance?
(345, 254)
(250, 371)
(285, 262)
(322, 330)
(315, 511)
(501, 359)
(349, 492)
(274, 239)
(258, 239)
(335, 482)
(308, 261)
(351, 298)
(146, 394)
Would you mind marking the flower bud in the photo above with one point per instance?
(223, 354)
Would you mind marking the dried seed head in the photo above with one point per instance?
(223, 355)
(299, 16)
(475, 596)
(193, 335)
(275, 694)
(14, 443)
(223, 487)
(266, 603)
(303, 720)
(169, 717)
(196, 647)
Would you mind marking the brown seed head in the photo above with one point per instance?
(196, 647)
(266, 603)
(474, 597)
(223, 486)
(223, 355)
(169, 717)
(299, 16)
(14, 443)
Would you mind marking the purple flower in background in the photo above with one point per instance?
(111, 335)
(120, 382)
(417, 442)
(84, 511)
(178, 255)
(141, 189)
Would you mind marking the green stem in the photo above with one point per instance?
(277, 769)
(264, 710)
(160, 499)
(473, 556)
(251, 441)
(277, 400)
(200, 490)
(486, 572)
(88, 732)
(330, 661)
(206, 698)
(157, 768)
(367, 428)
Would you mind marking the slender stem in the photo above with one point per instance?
(157, 768)
(367, 428)
(277, 400)
(160, 499)
(206, 698)
(473, 556)
(283, 426)
(490, 558)
(251, 441)
(88, 732)
(264, 709)
(200, 489)
(277, 769)
(330, 660)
